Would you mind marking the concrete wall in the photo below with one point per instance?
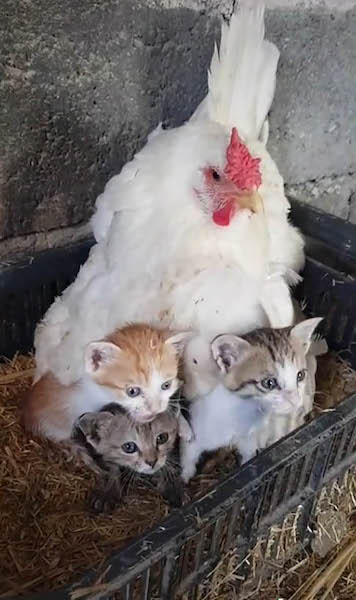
(82, 83)
(313, 119)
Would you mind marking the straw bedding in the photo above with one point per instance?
(280, 569)
(47, 536)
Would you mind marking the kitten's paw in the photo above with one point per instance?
(99, 502)
(174, 497)
(187, 474)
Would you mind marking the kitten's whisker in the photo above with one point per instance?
(171, 467)
(131, 481)
(126, 478)
(172, 470)
(171, 461)
(176, 399)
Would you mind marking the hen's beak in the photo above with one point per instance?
(251, 200)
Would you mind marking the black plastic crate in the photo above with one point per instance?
(179, 552)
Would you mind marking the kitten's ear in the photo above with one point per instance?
(94, 425)
(303, 332)
(99, 355)
(179, 340)
(229, 350)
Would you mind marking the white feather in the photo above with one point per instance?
(201, 372)
(242, 74)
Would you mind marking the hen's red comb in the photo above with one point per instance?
(241, 168)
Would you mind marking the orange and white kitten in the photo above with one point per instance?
(136, 366)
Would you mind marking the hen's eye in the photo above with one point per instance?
(215, 175)
(162, 438)
(166, 385)
(129, 447)
(301, 375)
(270, 383)
(133, 391)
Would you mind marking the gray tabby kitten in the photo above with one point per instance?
(123, 451)
(263, 393)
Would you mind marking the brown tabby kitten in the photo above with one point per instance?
(125, 451)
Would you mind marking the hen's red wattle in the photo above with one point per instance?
(224, 215)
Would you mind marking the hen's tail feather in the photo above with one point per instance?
(242, 73)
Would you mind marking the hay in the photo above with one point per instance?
(281, 569)
(47, 536)
(335, 380)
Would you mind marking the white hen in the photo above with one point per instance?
(181, 241)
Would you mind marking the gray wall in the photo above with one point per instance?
(313, 118)
(82, 82)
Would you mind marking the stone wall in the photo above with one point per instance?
(82, 82)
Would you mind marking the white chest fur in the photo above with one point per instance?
(222, 418)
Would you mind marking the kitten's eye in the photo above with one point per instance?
(129, 447)
(133, 391)
(270, 383)
(215, 175)
(301, 375)
(162, 438)
(166, 385)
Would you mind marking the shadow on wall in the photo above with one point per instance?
(82, 84)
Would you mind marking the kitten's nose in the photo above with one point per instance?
(151, 462)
